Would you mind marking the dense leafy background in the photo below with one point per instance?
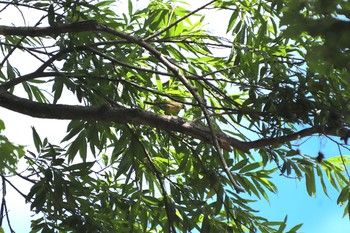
(278, 75)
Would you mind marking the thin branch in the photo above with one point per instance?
(3, 201)
(4, 205)
(14, 187)
(216, 45)
(287, 138)
(125, 64)
(25, 178)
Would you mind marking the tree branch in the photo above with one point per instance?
(118, 115)
(141, 117)
(291, 137)
(49, 31)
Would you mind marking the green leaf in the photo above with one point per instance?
(57, 88)
(51, 15)
(130, 7)
(125, 163)
(37, 93)
(79, 144)
(310, 181)
(37, 141)
(320, 174)
(10, 72)
(2, 125)
(283, 225)
(73, 128)
(250, 167)
(232, 20)
(80, 169)
(150, 200)
(295, 228)
(344, 195)
(240, 164)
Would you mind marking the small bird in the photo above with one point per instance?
(170, 107)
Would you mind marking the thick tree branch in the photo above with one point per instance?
(118, 115)
(141, 117)
(82, 26)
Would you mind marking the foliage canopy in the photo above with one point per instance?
(278, 75)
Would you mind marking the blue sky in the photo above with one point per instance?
(318, 215)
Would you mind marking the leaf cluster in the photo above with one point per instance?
(259, 87)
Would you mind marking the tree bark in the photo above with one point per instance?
(138, 116)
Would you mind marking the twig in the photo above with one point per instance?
(3, 202)
(4, 206)
(343, 162)
(15, 188)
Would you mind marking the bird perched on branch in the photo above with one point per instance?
(170, 107)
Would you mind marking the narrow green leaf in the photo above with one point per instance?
(150, 200)
(310, 181)
(37, 140)
(37, 93)
(51, 15)
(232, 20)
(240, 164)
(57, 88)
(83, 148)
(232, 53)
(344, 195)
(250, 167)
(283, 225)
(295, 228)
(2, 125)
(296, 170)
(125, 163)
(10, 72)
(77, 145)
(320, 174)
(74, 128)
(130, 7)
(332, 179)
(80, 169)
